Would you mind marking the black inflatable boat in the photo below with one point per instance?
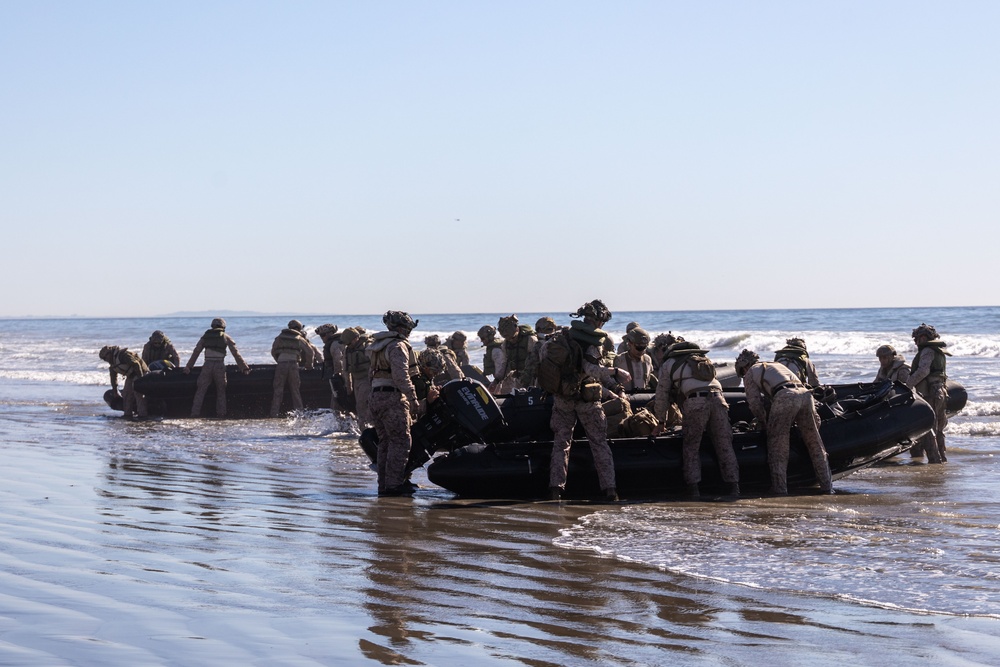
(170, 393)
(500, 448)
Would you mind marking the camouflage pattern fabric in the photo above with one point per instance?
(213, 371)
(134, 401)
(794, 406)
(362, 394)
(709, 413)
(932, 443)
(390, 413)
(286, 374)
(565, 414)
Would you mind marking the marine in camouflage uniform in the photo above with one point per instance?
(356, 365)
(328, 334)
(635, 360)
(393, 402)
(493, 357)
(623, 346)
(585, 405)
(704, 408)
(433, 375)
(290, 350)
(795, 357)
(892, 366)
(791, 403)
(660, 345)
(214, 342)
(544, 327)
(159, 353)
(130, 366)
(929, 377)
(458, 343)
(518, 342)
(451, 366)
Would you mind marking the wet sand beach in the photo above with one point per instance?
(209, 543)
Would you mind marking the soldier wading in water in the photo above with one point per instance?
(570, 368)
(393, 403)
(791, 402)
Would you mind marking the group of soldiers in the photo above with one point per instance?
(387, 385)
(291, 350)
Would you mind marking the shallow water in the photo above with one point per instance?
(201, 542)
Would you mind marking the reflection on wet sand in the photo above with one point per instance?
(188, 552)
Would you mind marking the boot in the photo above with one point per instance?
(692, 492)
(555, 493)
(779, 487)
(734, 490)
(611, 495)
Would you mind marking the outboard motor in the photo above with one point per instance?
(464, 410)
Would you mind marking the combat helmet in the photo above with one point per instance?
(349, 335)
(487, 332)
(507, 326)
(925, 330)
(796, 342)
(157, 337)
(107, 352)
(457, 339)
(746, 359)
(432, 341)
(326, 330)
(885, 351)
(663, 341)
(638, 337)
(432, 360)
(295, 325)
(545, 325)
(219, 323)
(395, 319)
(595, 310)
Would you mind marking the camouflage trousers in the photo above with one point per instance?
(794, 406)
(362, 395)
(212, 372)
(709, 413)
(286, 374)
(932, 443)
(134, 401)
(390, 413)
(565, 413)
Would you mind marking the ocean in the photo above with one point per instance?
(204, 542)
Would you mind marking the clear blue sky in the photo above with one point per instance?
(331, 157)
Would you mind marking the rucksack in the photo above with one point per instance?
(559, 366)
(701, 367)
(687, 352)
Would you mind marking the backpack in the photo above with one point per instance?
(559, 366)
(641, 423)
(701, 366)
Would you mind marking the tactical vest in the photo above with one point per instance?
(356, 360)
(157, 352)
(288, 341)
(489, 367)
(939, 364)
(128, 364)
(215, 339)
(517, 351)
(381, 369)
(796, 357)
